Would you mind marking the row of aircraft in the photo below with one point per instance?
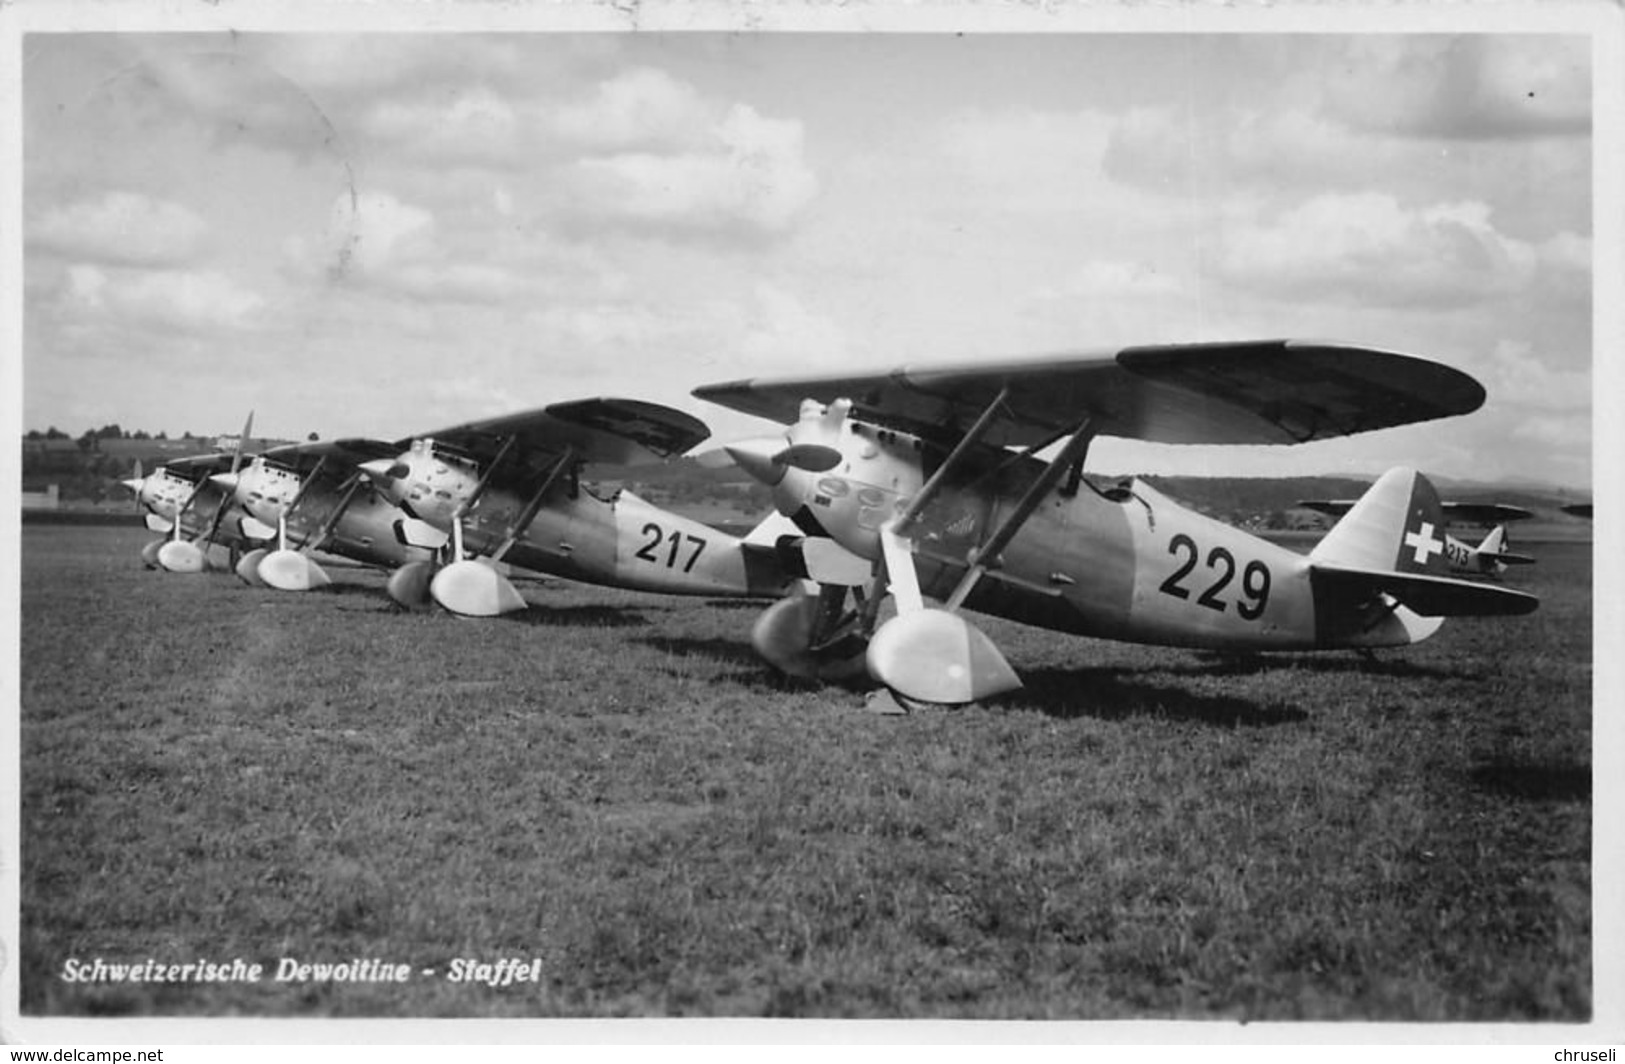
(903, 500)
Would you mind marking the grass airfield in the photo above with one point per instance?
(611, 785)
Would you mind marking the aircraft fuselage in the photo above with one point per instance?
(1124, 563)
(366, 531)
(620, 541)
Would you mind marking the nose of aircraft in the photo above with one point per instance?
(229, 481)
(758, 458)
(134, 484)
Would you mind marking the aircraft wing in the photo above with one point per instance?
(197, 466)
(1470, 513)
(602, 431)
(344, 454)
(1266, 391)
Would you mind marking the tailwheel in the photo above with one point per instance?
(291, 570)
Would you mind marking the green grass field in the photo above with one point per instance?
(612, 785)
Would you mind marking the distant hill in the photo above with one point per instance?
(88, 470)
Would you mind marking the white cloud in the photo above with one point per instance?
(752, 178)
(234, 96)
(1111, 279)
(472, 126)
(1239, 151)
(643, 110)
(782, 333)
(377, 241)
(1519, 377)
(1367, 248)
(367, 233)
(185, 299)
(1465, 86)
(372, 62)
(122, 227)
(1040, 155)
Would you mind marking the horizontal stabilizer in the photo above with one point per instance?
(1470, 513)
(1426, 595)
(1507, 559)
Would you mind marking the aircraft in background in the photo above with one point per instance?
(1579, 509)
(175, 497)
(928, 484)
(478, 498)
(307, 497)
(1492, 555)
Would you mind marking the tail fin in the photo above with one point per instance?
(1392, 543)
(1396, 526)
(1496, 550)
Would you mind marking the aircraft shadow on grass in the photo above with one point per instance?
(752, 605)
(579, 616)
(348, 590)
(1102, 694)
(1221, 664)
(1118, 694)
(741, 665)
(1534, 783)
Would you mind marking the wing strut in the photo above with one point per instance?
(352, 487)
(933, 486)
(293, 503)
(986, 556)
(935, 655)
(490, 471)
(476, 588)
(533, 506)
(294, 570)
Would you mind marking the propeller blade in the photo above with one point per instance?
(134, 483)
(384, 469)
(811, 457)
(242, 441)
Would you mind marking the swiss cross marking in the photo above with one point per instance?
(1425, 543)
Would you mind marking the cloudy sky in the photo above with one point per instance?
(382, 234)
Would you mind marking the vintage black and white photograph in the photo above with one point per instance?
(529, 520)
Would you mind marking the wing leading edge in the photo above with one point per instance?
(1252, 392)
(604, 430)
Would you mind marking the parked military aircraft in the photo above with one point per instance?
(911, 472)
(1492, 555)
(178, 499)
(313, 497)
(507, 491)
